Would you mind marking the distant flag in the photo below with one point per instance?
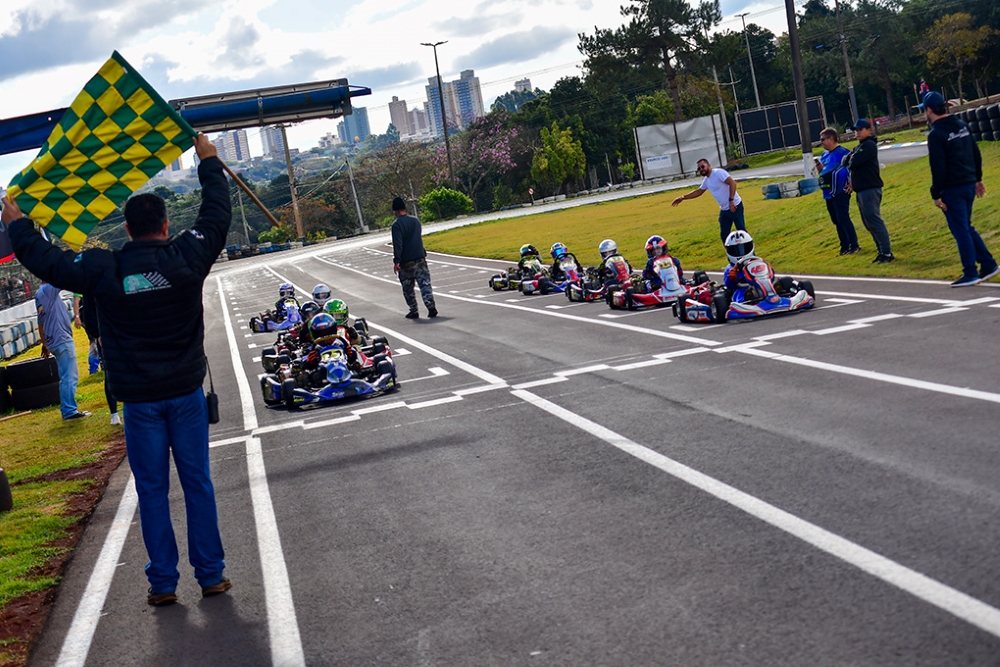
(117, 134)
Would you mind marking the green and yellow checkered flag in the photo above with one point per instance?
(117, 134)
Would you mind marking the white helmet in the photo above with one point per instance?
(607, 248)
(739, 245)
(321, 294)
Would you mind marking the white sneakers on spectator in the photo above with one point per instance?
(116, 420)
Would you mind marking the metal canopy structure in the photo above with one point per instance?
(213, 113)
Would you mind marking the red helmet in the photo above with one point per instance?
(656, 246)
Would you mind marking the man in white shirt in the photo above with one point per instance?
(723, 188)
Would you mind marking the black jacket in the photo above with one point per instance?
(863, 165)
(954, 156)
(407, 246)
(148, 294)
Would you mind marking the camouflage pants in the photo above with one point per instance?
(416, 272)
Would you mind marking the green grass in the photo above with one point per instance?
(38, 444)
(795, 235)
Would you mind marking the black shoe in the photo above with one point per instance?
(433, 312)
(985, 273)
(966, 281)
(884, 259)
(851, 251)
(160, 599)
(413, 316)
(79, 414)
(221, 587)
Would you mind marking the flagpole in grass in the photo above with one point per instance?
(244, 188)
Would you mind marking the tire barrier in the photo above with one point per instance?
(5, 403)
(33, 398)
(18, 336)
(6, 499)
(983, 122)
(789, 189)
(32, 373)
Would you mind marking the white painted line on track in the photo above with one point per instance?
(681, 353)
(885, 297)
(585, 369)
(944, 597)
(238, 440)
(435, 373)
(433, 402)
(840, 329)
(76, 644)
(480, 389)
(282, 624)
(640, 364)
(876, 318)
(539, 383)
(330, 422)
(985, 299)
(242, 384)
(274, 428)
(379, 407)
(782, 334)
(942, 311)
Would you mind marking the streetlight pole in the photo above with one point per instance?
(847, 63)
(444, 116)
(753, 75)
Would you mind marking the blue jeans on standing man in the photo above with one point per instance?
(153, 431)
(69, 375)
(870, 206)
(971, 249)
(729, 218)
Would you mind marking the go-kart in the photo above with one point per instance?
(299, 383)
(710, 302)
(528, 277)
(588, 288)
(636, 294)
(274, 321)
(288, 346)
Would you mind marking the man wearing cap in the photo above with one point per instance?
(956, 181)
(866, 183)
(409, 260)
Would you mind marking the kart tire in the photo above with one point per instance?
(380, 339)
(361, 326)
(700, 277)
(993, 111)
(288, 393)
(787, 284)
(681, 308)
(378, 348)
(284, 358)
(544, 286)
(719, 308)
(263, 391)
(629, 302)
(808, 287)
(982, 113)
(385, 367)
(268, 352)
(33, 398)
(32, 373)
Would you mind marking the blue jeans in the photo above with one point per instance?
(971, 249)
(69, 375)
(839, 208)
(870, 206)
(729, 218)
(152, 431)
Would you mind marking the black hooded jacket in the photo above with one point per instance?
(148, 294)
(863, 165)
(954, 156)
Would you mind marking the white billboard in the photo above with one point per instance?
(672, 149)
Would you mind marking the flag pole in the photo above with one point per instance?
(243, 186)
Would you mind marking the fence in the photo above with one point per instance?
(776, 127)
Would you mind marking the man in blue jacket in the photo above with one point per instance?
(956, 181)
(149, 304)
(866, 183)
(833, 181)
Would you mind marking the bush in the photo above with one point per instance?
(443, 203)
(280, 234)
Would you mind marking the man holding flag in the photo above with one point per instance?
(148, 295)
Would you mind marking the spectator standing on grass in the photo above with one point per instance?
(56, 329)
(866, 184)
(723, 188)
(956, 181)
(149, 302)
(833, 181)
(409, 260)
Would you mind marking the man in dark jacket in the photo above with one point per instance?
(956, 181)
(409, 260)
(866, 183)
(149, 304)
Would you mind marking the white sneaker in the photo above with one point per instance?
(116, 420)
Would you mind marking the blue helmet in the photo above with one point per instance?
(286, 290)
(322, 325)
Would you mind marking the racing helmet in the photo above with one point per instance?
(607, 248)
(337, 370)
(322, 325)
(308, 309)
(286, 290)
(558, 250)
(528, 250)
(739, 245)
(656, 246)
(321, 294)
(338, 310)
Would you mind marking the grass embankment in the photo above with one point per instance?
(46, 461)
(795, 235)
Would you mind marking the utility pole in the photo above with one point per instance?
(357, 202)
(808, 166)
(444, 116)
(847, 63)
(753, 75)
(291, 184)
(243, 214)
(722, 107)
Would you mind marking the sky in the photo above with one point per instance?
(50, 48)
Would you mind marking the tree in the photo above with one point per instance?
(660, 34)
(443, 203)
(515, 99)
(953, 44)
(559, 159)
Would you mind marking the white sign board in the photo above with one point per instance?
(672, 149)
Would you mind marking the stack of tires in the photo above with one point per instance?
(33, 383)
(984, 122)
(789, 189)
